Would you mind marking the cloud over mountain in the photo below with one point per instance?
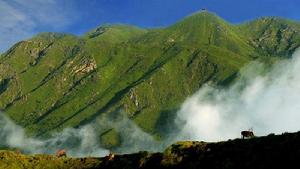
(268, 102)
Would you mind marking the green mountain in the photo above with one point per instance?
(55, 80)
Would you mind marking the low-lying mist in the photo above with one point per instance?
(265, 99)
(78, 142)
(268, 102)
(81, 142)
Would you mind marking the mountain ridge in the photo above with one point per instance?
(58, 80)
(272, 151)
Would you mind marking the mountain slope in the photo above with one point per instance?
(54, 80)
(272, 151)
(273, 36)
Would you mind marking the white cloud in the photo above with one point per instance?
(269, 103)
(78, 142)
(21, 19)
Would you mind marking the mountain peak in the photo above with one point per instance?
(204, 14)
(200, 18)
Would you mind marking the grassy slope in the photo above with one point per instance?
(272, 151)
(14, 160)
(53, 81)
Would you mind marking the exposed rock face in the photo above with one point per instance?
(86, 67)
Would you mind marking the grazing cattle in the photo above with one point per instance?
(61, 153)
(110, 157)
(18, 151)
(247, 134)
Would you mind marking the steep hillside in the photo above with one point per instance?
(272, 151)
(272, 36)
(54, 80)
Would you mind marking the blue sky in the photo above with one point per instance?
(21, 19)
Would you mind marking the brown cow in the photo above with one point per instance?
(247, 134)
(18, 151)
(110, 157)
(61, 153)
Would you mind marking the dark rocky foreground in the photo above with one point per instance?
(272, 151)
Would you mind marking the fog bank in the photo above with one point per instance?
(267, 102)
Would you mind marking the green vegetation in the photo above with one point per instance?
(16, 160)
(272, 151)
(54, 81)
